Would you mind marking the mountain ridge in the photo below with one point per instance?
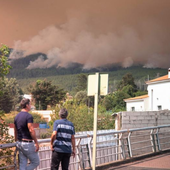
(66, 77)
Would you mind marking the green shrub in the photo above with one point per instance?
(38, 118)
(43, 135)
(9, 118)
(46, 134)
(5, 138)
(82, 117)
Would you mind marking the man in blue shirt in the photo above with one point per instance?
(24, 136)
(62, 142)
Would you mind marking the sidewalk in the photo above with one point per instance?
(158, 162)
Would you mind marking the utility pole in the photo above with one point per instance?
(97, 85)
(95, 121)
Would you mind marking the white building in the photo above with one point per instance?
(158, 97)
(27, 96)
(44, 113)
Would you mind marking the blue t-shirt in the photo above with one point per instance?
(21, 121)
(65, 129)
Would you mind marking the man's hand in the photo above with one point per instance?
(73, 145)
(53, 137)
(36, 147)
(73, 154)
(15, 133)
(52, 147)
(33, 135)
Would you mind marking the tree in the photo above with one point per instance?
(4, 66)
(118, 101)
(107, 102)
(11, 95)
(45, 94)
(128, 89)
(4, 134)
(140, 93)
(115, 101)
(127, 80)
(81, 82)
(81, 97)
(82, 117)
(4, 69)
(127, 85)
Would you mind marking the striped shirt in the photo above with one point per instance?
(65, 129)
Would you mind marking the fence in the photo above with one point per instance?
(111, 146)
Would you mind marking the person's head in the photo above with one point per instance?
(25, 104)
(63, 113)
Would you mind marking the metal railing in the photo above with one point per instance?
(111, 146)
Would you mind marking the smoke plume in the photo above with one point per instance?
(89, 41)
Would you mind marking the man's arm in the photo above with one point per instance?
(33, 135)
(53, 137)
(15, 133)
(73, 145)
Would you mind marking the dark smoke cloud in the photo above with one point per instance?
(139, 35)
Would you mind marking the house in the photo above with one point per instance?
(27, 96)
(44, 113)
(158, 97)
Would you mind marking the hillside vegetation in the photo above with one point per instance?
(69, 81)
(49, 86)
(66, 78)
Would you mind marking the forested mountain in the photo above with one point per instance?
(67, 77)
(20, 70)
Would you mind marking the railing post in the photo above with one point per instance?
(79, 155)
(122, 146)
(15, 155)
(81, 158)
(129, 144)
(152, 137)
(88, 154)
(157, 140)
(90, 151)
(117, 146)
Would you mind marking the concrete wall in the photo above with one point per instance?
(131, 120)
(141, 140)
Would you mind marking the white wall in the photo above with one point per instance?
(138, 105)
(146, 104)
(27, 96)
(159, 95)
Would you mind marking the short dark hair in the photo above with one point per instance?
(63, 113)
(24, 102)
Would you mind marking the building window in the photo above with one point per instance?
(133, 108)
(159, 107)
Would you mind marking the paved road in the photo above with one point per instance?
(159, 162)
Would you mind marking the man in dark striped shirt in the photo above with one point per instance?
(62, 141)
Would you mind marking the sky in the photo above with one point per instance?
(90, 32)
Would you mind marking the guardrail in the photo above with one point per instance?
(111, 146)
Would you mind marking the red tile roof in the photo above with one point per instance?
(138, 97)
(158, 79)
